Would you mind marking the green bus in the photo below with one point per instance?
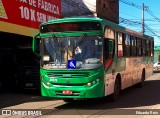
(85, 58)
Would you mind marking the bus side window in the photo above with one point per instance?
(133, 46)
(127, 45)
(109, 46)
(144, 47)
(152, 48)
(148, 50)
(120, 44)
(111, 50)
(139, 47)
(106, 48)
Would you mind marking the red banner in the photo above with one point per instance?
(29, 13)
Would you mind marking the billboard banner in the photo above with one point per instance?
(29, 13)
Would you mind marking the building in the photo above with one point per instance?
(19, 21)
(107, 9)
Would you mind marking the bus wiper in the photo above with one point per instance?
(58, 45)
(81, 39)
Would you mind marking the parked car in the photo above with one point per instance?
(156, 66)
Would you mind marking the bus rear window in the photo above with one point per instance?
(70, 26)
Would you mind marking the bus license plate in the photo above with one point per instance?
(67, 92)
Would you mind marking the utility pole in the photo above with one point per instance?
(143, 18)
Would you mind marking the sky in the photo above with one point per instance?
(132, 11)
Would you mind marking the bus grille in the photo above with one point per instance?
(67, 74)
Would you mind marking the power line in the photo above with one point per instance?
(151, 13)
(136, 23)
(151, 30)
(123, 20)
(139, 7)
(148, 11)
(131, 4)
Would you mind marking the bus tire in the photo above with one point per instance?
(117, 90)
(141, 84)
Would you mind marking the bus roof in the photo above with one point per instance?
(103, 21)
(79, 19)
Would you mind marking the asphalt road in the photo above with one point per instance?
(133, 102)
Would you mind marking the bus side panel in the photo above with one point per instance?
(149, 66)
(109, 84)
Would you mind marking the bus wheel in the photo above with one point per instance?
(68, 100)
(117, 90)
(141, 84)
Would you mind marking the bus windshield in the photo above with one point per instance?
(85, 50)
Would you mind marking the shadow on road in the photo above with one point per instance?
(10, 98)
(130, 98)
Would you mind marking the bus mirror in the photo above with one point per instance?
(35, 45)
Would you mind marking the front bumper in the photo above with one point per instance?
(79, 92)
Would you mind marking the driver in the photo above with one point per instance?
(85, 50)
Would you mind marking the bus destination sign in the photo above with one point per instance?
(74, 26)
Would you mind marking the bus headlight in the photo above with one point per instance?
(97, 80)
(89, 84)
(46, 83)
(93, 82)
